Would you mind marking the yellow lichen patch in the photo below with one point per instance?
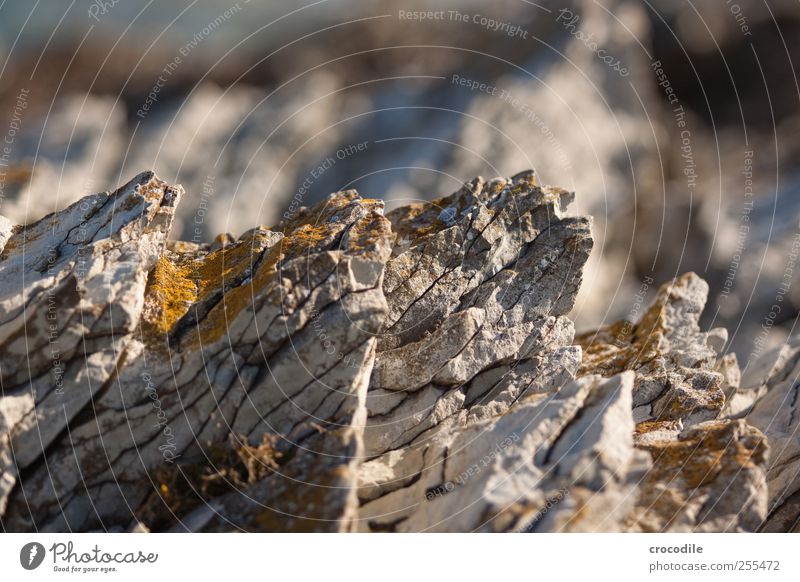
(414, 222)
(233, 276)
(152, 191)
(373, 204)
(701, 456)
(684, 403)
(624, 345)
(370, 237)
(215, 324)
(706, 459)
(655, 425)
(306, 238)
(170, 292)
(222, 267)
(180, 280)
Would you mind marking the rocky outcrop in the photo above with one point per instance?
(774, 377)
(355, 370)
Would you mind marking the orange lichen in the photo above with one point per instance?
(370, 237)
(170, 292)
(654, 425)
(323, 213)
(229, 278)
(720, 451)
(229, 264)
(699, 457)
(236, 299)
(180, 280)
(624, 345)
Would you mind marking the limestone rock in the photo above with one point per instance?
(270, 335)
(478, 287)
(354, 371)
(71, 295)
(674, 362)
(777, 414)
(558, 462)
(708, 478)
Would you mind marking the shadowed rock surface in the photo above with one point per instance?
(354, 371)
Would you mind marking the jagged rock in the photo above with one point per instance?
(777, 414)
(477, 290)
(227, 341)
(708, 472)
(353, 371)
(558, 462)
(674, 362)
(71, 295)
(709, 477)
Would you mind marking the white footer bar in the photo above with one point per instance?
(407, 558)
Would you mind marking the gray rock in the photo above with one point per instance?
(350, 371)
(777, 414)
(558, 462)
(674, 362)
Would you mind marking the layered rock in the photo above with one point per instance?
(554, 462)
(775, 376)
(216, 343)
(350, 370)
(707, 469)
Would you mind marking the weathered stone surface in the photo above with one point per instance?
(477, 290)
(777, 414)
(71, 295)
(674, 362)
(558, 462)
(708, 472)
(271, 334)
(709, 477)
(350, 371)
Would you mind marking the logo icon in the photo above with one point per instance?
(31, 555)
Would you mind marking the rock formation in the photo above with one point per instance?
(351, 370)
